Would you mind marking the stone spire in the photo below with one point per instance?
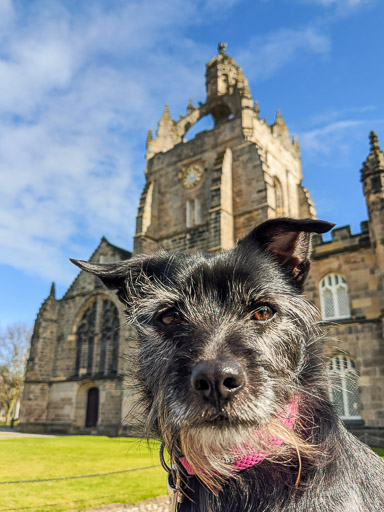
(50, 302)
(280, 129)
(256, 109)
(374, 163)
(166, 135)
(372, 176)
(190, 107)
(164, 123)
(295, 144)
(43, 337)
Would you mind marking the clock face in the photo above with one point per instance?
(192, 176)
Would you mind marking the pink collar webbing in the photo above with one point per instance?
(252, 458)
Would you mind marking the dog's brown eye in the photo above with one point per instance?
(172, 317)
(263, 313)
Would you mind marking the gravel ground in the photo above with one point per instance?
(160, 504)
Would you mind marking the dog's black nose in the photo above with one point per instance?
(217, 381)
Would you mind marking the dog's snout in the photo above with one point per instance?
(217, 381)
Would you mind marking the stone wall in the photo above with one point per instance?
(360, 336)
(55, 396)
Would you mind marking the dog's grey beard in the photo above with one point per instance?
(211, 451)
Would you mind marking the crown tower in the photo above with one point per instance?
(205, 193)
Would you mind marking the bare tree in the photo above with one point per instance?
(14, 347)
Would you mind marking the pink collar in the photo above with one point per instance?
(254, 457)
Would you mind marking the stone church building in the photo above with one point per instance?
(204, 194)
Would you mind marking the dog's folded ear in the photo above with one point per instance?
(113, 275)
(288, 241)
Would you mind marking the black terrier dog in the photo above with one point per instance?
(233, 381)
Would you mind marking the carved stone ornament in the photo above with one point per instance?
(192, 176)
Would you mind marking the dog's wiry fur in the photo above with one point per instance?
(319, 466)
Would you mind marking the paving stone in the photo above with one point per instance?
(159, 504)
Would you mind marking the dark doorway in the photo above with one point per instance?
(92, 408)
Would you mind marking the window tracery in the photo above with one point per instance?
(85, 336)
(343, 389)
(109, 337)
(334, 297)
(97, 339)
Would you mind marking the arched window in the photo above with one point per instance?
(334, 297)
(109, 338)
(85, 341)
(97, 339)
(193, 212)
(279, 198)
(343, 390)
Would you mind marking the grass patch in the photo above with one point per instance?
(54, 457)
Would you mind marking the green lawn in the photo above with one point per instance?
(44, 458)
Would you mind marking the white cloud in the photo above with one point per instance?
(333, 143)
(265, 56)
(340, 3)
(77, 94)
(342, 7)
(6, 15)
(331, 116)
(325, 139)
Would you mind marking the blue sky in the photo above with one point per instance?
(81, 83)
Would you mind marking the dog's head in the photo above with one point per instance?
(226, 341)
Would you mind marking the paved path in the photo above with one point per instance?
(11, 433)
(160, 504)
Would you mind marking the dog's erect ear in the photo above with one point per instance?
(113, 275)
(289, 241)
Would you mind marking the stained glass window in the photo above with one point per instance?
(97, 339)
(109, 337)
(85, 336)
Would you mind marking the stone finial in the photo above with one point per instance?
(279, 120)
(166, 115)
(280, 130)
(256, 109)
(221, 47)
(190, 107)
(374, 162)
(149, 136)
(374, 140)
(166, 135)
(295, 144)
(165, 127)
(48, 303)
